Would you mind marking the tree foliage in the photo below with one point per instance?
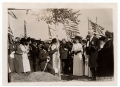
(56, 15)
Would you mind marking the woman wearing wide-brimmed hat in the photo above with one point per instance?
(77, 58)
(107, 64)
(26, 63)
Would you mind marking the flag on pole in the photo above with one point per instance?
(12, 14)
(49, 33)
(52, 33)
(10, 31)
(71, 29)
(97, 28)
(100, 30)
(10, 35)
(25, 31)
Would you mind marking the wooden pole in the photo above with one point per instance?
(96, 25)
(88, 23)
(96, 20)
(25, 31)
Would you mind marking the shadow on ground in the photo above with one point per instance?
(71, 77)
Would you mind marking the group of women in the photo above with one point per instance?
(18, 54)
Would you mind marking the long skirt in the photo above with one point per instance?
(78, 65)
(87, 70)
(11, 62)
(56, 63)
(19, 63)
(26, 64)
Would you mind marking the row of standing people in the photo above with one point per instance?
(78, 57)
(92, 57)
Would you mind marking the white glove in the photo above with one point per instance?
(12, 54)
(48, 60)
(65, 49)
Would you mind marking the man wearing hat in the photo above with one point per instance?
(45, 57)
(93, 45)
(64, 56)
(33, 54)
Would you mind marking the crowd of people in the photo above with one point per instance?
(92, 56)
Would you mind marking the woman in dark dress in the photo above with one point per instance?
(100, 56)
(107, 64)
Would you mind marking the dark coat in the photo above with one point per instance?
(63, 52)
(43, 55)
(93, 52)
(34, 53)
(107, 63)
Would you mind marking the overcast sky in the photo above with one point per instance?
(39, 30)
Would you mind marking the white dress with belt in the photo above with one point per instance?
(77, 60)
(26, 64)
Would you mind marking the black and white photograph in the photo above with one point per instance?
(60, 44)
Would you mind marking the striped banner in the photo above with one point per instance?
(97, 28)
(12, 14)
(10, 31)
(71, 29)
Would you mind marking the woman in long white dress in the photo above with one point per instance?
(55, 56)
(77, 59)
(26, 64)
(87, 68)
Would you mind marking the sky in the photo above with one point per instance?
(39, 30)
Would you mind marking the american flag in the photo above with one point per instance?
(97, 28)
(10, 31)
(71, 29)
(12, 14)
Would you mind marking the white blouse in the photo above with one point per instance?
(77, 47)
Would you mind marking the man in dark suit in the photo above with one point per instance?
(45, 56)
(34, 55)
(64, 56)
(93, 45)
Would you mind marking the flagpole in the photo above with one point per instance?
(8, 20)
(25, 32)
(96, 20)
(96, 24)
(88, 23)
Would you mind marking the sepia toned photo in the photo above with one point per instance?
(60, 44)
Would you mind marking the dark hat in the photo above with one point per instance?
(33, 41)
(18, 39)
(22, 41)
(84, 41)
(78, 37)
(46, 46)
(88, 36)
(102, 38)
(28, 39)
(54, 40)
(109, 34)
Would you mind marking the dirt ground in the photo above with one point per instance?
(74, 78)
(43, 76)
